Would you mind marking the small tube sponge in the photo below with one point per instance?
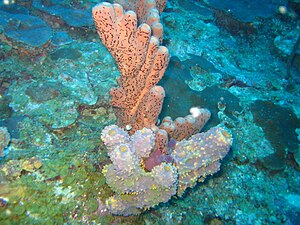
(123, 159)
(165, 175)
(142, 142)
(113, 135)
(199, 156)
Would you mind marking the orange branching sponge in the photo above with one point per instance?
(184, 127)
(141, 61)
(146, 4)
(147, 11)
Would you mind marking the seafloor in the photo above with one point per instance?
(238, 60)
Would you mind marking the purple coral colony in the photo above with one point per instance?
(99, 132)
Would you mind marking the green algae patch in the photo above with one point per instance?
(43, 92)
(14, 168)
(19, 210)
(92, 205)
(66, 53)
(61, 191)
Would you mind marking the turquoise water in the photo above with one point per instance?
(238, 59)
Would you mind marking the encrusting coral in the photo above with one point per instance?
(150, 163)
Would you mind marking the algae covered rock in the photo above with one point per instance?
(286, 42)
(272, 118)
(52, 102)
(14, 168)
(4, 139)
(27, 29)
(248, 10)
(72, 16)
(48, 107)
(61, 38)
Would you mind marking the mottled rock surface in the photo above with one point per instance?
(27, 29)
(4, 139)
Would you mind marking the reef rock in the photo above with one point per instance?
(247, 10)
(4, 139)
(26, 29)
(73, 17)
